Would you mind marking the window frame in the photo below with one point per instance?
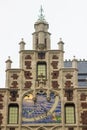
(68, 105)
(44, 64)
(14, 115)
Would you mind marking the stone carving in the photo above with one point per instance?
(68, 76)
(55, 84)
(84, 105)
(54, 64)
(28, 57)
(1, 97)
(14, 84)
(68, 84)
(14, 95)
(28, 84)
(84, 117)
(28, 64)
(55, 57)
(41, 55)
(1, 117)
(55, 74)
(83, 97)
(14, 76)
(28, 74)
(69, 94)
(1, 106)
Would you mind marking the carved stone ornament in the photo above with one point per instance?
(55, 74)
(55, 57)
(1, 117)
(69, 94)
(83, 97)
(55, 84)
(68, 76)
(1, 97)
(28, 84)
(84, 105)
(1, 106)
(54, 64)
(41, 55)
(14, 84)
(14, 95)
(68, 84)
(28, 64)
(84, 117)
(28, 74)
(14, 76)
(28, 57)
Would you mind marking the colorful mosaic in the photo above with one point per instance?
(41, 110)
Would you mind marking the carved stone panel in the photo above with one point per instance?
(28, 84)
(55, 57)
(55, 74)
(69, 94)
(55, 84)
(68, 76)
(84, 105)
(84, 117)
(14, 76)
(1, 97)
(1, 106)
(28, 75)
(83, 97)
(14, 84)
(54, 64)
(1, 117)
(28, 57)
(68, 84)
(14, 95)
(28, 64)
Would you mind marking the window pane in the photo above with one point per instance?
(13, 114)
(41, 72)
(70, 117)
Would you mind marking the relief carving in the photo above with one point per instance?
(28, 84)
(14, 95)
(28, 57)
(14, 84)
(55, 84)
(55, 74)
(1, 117)
(1, 106)
(84, 105)
(1, 97)
(83, 97)
(28, 74)
(41, 55)
(84, 117)
(28, 64)
(54, 64)
(55, 57)
(69, 94)
(68, 76)
(14, 76)
(68, 84)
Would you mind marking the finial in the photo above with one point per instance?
(22, 39)
(41, 16)
(8, 57)
(60, 39)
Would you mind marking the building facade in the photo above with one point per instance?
(45, 92)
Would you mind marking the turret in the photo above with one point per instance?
(22, 44)
(61, 45)
(8, 63)
(41, 36)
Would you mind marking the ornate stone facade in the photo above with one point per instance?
(44, 93)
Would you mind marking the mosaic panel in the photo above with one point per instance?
(42, 110)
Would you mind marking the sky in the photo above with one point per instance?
(67, 20)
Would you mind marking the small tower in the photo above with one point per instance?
(41, 36)
(74, 62)
(22, 44)
(8, 63)
(61, 43)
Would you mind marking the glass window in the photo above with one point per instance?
(41, 70)
(70, 113)
(13, 114)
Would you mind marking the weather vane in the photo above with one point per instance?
(41, 16)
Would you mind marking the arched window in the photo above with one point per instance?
(70, 113)
(41, 70)
(13, 113)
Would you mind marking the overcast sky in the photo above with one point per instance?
(67, 19)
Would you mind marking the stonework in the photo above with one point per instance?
(43, 93)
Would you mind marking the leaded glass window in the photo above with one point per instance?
(41, 70)
(69, 113)
(13, 114)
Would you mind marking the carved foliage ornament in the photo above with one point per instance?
(84, 117)
(28, 74)
(28, 84)
(14, 95)
(54, 64)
